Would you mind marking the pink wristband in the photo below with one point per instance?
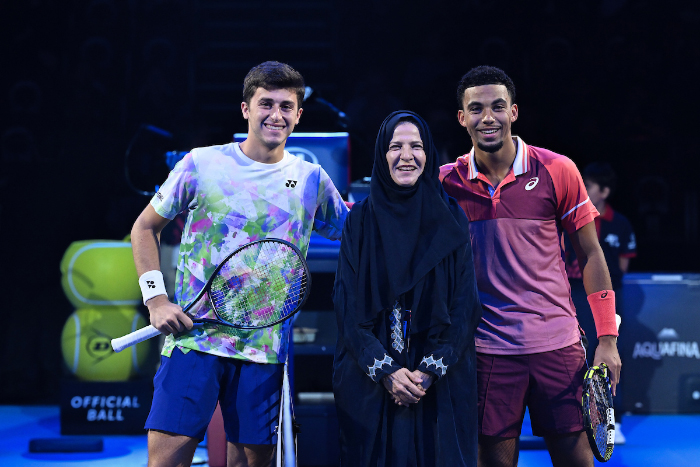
(603, 308)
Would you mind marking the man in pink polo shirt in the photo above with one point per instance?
(518, 199)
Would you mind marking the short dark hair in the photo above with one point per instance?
(601, 173)
(481, 76)
(271, 76)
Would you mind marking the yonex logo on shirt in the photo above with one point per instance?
(160, 195)
(291, 183)
(532, 183)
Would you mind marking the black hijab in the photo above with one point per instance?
(402, 233)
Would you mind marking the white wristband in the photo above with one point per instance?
(152, 285)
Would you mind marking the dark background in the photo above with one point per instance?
(611, 80)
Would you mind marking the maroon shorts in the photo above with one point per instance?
(550, 384)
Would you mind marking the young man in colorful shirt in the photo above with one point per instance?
(518, 199)
(234, 194)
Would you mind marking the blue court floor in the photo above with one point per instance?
(652, 441)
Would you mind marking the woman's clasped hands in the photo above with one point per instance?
(407, 387)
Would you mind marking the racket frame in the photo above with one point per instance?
(286, 433)
(588, 387)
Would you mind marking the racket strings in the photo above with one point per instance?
(260, 285)
(598, 411)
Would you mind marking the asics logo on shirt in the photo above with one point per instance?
(532, 183)
(291, 183)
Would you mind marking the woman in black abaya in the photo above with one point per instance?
(406, 303)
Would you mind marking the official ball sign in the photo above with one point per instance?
(105, 408)
(116, 408)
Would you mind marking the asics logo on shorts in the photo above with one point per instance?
(532, 183)
(291, 183)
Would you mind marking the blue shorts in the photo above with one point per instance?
(187, 387)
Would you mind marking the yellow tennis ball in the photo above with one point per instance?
(100, 273)
(86, 347)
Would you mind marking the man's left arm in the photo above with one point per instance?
(596, 281)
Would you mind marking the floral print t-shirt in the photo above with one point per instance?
(232, 200)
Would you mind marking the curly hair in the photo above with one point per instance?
(481, 76)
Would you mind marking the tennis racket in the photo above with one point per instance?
(260, 284)
(286, 432)
(598, 412)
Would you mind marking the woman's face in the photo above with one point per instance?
(406, 156)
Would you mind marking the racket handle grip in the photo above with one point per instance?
(121, 343)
